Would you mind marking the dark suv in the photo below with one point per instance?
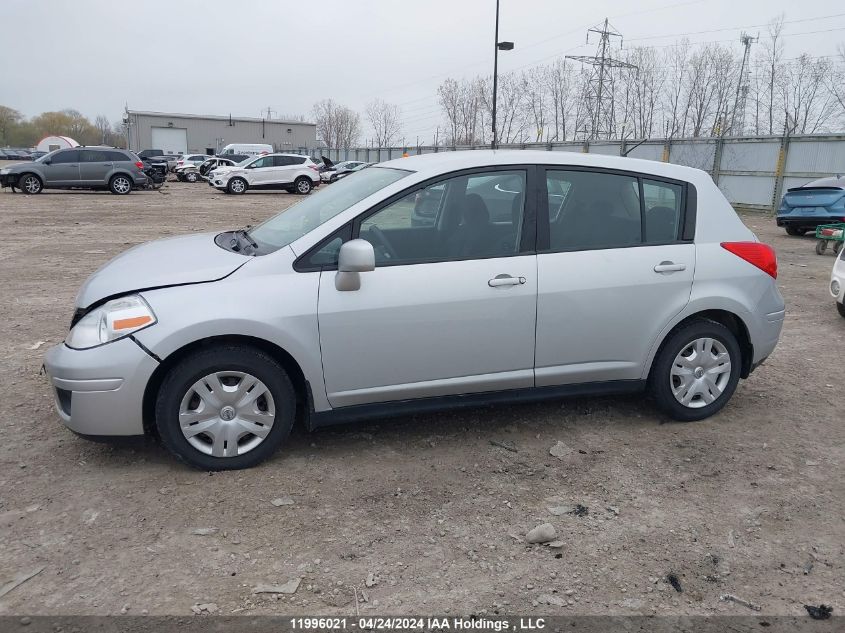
(117, 170)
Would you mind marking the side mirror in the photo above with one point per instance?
(356, 256)
(46, 162)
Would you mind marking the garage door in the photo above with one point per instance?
(172, 140)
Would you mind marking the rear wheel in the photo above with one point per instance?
(794, 230)
(120, 185)
(225, 408)
(191, 176)
(31, 184)
(237, 186)
(302, 185)
(821, 247)
(837, 246)
(696, 371)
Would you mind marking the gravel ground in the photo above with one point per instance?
(423, 514)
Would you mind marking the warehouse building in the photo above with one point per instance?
(175, 133)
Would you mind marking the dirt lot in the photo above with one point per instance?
(422, 514)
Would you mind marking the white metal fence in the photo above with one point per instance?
(752, 172)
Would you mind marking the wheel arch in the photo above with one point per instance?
(283, 357)
(722, 316)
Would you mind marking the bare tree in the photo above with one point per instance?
(806, 101)
(770, 67)
(337, 125)
(560, 86)
(104, 129)
(676, 59)
(535, 88)
(385, 120)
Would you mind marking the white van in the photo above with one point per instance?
(247, 149)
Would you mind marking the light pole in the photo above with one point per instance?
(500, 46)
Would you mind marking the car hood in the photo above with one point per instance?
(172, 261)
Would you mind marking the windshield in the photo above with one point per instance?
(293, 223)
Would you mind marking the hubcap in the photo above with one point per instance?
(121, 185)
(237, 186)
(700, 373)
(32, 185)
(227, 413)
(303, 187)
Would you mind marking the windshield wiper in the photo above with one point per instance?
(244, 233)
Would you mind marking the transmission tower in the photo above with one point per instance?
(737, 127)
(598, 90)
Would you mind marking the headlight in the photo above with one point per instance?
(113, 320)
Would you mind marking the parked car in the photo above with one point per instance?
(37, 154)
(193, 159)
(187, 167)
(803, 208)
(290, 172)
(152, 156)
(609, 274)
(837, 282)
(117, 170)
(339, 170)
(4, 155)
(16, 154)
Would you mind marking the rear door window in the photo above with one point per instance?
(597, 210)
(93, 156)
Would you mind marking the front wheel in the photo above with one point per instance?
(191, 176)
(31, 184)
(237, 186)
(302, 185)
(793, 230)
(821, 247)
(225, 408)
(696, 371)
(840, 308)
(120, 185)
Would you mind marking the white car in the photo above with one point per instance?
(290, 172)
(342, 169)
(837, 282)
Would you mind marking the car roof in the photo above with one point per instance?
(446, 161)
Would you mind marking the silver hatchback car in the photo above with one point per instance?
(536, 275)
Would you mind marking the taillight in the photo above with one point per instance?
(314, 167)
(180, 162)
(139, 165)
(756, 253)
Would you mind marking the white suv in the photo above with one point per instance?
(291, 172)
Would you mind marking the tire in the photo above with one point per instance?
(821, 247)
(232, 364)
(120, 185)
(666, 380)
(302, 185)
(30, 184)
(191, 177)
(792, 230)
(840, 308)
(237, 186)
(837, 246)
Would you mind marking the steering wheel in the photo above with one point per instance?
(389, 252)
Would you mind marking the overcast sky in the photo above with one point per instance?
(242, 56)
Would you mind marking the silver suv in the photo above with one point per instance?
(535, 275)
(117, 170)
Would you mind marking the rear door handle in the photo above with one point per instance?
(669, 267)
(505, 280)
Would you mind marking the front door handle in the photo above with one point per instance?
(505, 280)
(669, 267)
